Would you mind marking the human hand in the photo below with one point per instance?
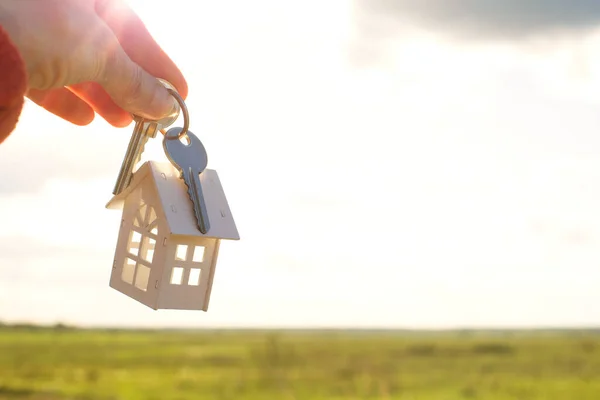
(87, 56)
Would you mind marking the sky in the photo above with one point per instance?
(393, 164)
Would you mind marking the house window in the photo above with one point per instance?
(181, 252)
(136, 272)
(177, 276)
(135, 238)
(141, 277)
(198, 254)
(194, 279)
(147, 250)
(128, 270)
(189, 260)
(146, 220)
(141, 245)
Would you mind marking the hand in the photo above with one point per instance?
(87, 56)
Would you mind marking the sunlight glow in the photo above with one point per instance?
(442, 184)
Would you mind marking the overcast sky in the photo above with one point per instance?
(388, 163)
(485, 20)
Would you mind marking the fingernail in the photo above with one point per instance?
(170, 117)
(162, 105)
(175, 108)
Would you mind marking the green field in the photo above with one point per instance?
(93, 364)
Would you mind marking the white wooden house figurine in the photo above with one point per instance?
(162, 259)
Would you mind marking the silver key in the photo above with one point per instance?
(190, 159)
(143, 130)
(141, 133)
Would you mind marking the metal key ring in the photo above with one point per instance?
(186, 117)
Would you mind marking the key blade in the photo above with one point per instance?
(127, 171)
(190, 160)
(142, 132)
(197, 197)
(126, 168)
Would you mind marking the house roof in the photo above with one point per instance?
(176, 204)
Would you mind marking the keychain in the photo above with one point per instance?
(175, 215)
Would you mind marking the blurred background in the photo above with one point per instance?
(389, 164)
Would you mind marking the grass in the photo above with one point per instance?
(54, 364)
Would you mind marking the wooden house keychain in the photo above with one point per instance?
(174, 218)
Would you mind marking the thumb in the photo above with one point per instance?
(133, 89)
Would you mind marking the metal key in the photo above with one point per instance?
(190, 159)
(143, 130)
(141, 133)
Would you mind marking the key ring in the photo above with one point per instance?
(186, 117)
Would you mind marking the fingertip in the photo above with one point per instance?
(81, 114)
(120, 123)
(64, 104)
(179, 84)
(160, 103)
(139, 45)
(83, 118)
(182, 88)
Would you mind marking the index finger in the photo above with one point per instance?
(139, 45)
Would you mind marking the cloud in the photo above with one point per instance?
(44, 147)
(477, 20)
(27, 260)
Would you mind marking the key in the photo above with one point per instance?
(142, 131)
(190, 159)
